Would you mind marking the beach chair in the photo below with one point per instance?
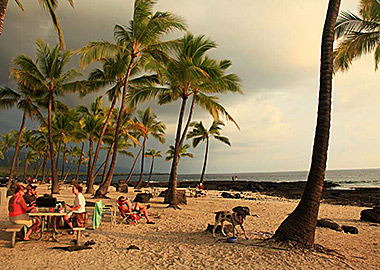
(129, 218)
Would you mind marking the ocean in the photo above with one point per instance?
(346, 179)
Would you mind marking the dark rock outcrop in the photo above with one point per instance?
(350, 229)
(143, 197)
(372, 215)
(328, 223)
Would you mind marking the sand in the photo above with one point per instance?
(178, 240)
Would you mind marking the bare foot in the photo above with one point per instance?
(26, 239)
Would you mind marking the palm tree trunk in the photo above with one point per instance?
(16, 151)
(90, 184)
(44, 170)
(118, 125)
(189, 118)
(63, 161)
(205, 162)
(150, 173)
(133, 166)
(139, 184)
(98, 170)
(39, 169)
(79, 162)
(3, 9)
(300, 225)
(68, 170)
(25, 162)
(55, 184)
(99, 144)
(103, 188)
(172, 187)
(59, 152)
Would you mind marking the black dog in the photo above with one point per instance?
(236, 217)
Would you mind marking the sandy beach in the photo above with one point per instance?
(178, 239)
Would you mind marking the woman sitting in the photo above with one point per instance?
(126, 206)
(77, 211)
(18, 211)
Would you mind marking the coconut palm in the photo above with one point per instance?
(190, 73)
(62, 127)
(47, 74)
(300, 225)
(153, 154)
(150, 126)
(200, 133)
(47, 5)
(127, 125)
(92, 119)
(142, 38)
(358, 34)
(40, 146)
(182, 152)
(7, 143)
(23, 99)
(28, 139)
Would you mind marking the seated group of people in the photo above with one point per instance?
(24, 202)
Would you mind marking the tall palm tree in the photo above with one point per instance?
(47, 5)
(153, 154)
(190, 73)
(142, 38)
(200, 133)
(358, 34)
(300, 225)
(23, 98)
(47, 74)
(150, 126)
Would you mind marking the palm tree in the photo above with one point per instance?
(62, 127)
(200, 133)
(48, 5)
(47, 75)
(23, 98)
(139, 40)
(7, 142)
(28, 139)
(358, 34)
(127, 125)
(153, 154)
(190, 73)
(92, 120)
(300, 225)
(150, 126)
(182, 152)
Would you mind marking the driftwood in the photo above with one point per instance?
(73, 248)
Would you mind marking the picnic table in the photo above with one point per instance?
(45, 220)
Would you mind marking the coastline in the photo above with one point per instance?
(364, 197)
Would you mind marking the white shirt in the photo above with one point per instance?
(79, 200)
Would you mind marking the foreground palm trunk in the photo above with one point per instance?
(79, 163)
(133, 166)
(3, 10)
(90, 180)
(150, 172)
(16, 151)
(172, 188)
(139, 184)
(300, 225)
(55, 184)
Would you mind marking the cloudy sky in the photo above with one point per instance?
(275, 49)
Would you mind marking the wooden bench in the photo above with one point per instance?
(78, 230)
(15, 228)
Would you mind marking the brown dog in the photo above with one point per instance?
(236, 217)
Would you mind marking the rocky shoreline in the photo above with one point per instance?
(364, 197)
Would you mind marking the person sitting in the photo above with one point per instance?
(126, 206)
(77, 211)
(18, 211)
(30, 196)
